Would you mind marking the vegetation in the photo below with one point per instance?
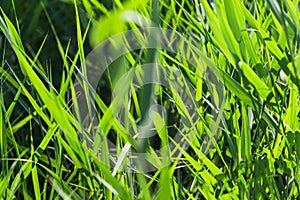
(231, 94)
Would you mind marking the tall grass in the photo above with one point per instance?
(241, 142)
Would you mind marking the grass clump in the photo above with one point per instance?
(231, 93)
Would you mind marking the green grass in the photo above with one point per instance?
(237, 112)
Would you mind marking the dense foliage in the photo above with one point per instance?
(242, 140)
